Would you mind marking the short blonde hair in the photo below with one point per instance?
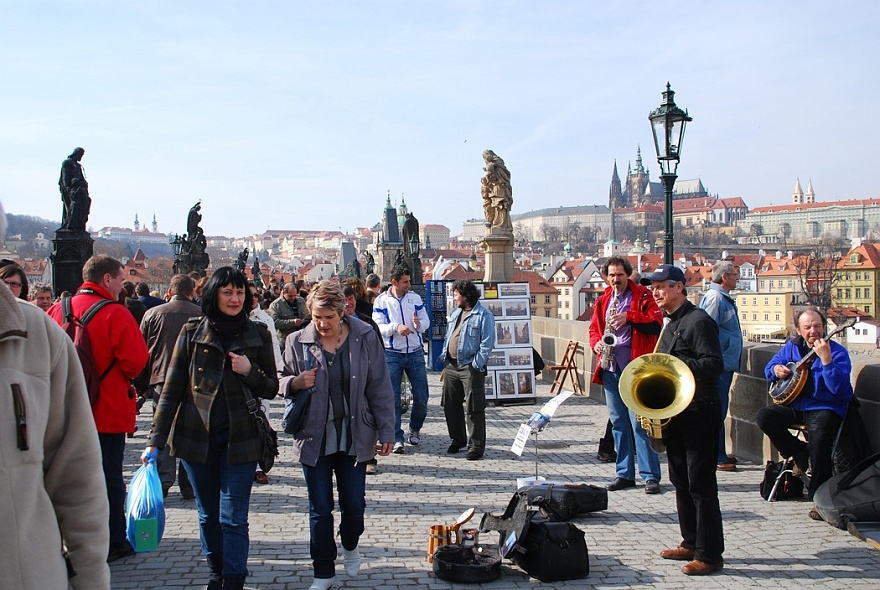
(326, 295)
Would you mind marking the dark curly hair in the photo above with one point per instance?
(468, 290)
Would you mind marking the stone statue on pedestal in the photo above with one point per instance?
(411, 236)
(497, 194)
(74, 192)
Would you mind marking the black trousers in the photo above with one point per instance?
(822, 427)
(692, 451)
(465, 387)
(112, 454)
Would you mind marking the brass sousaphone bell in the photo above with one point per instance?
(656, 387)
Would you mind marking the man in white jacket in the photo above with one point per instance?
(53, 488)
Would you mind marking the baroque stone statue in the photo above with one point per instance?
(410, 235)
(497, 193)
(74, 192)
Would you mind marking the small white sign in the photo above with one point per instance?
(522, 436)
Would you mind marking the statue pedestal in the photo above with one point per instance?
(499, 258)
(71, 249)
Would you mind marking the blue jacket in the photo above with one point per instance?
(832, 388)
(477, 337)
(722, 308)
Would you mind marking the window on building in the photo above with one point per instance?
(745, 316)
(565, 291)
(848, 293)
(546, 313)
(566, 307)
(778, 317)
(777, 301)
(791, 284)
(868, 309)
(533, 298)
(754, 301)
(547, 300)
(867, 292)
(534, 312)
(858, 292)
(839, 293)
(858, 276)
(766, 317)
(754, 317)
(847, 277)
(766, 301)
(762, 284)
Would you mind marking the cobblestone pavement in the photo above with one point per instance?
(767, 544)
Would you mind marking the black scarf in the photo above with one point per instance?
(228, 327)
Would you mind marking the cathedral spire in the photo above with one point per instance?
(615, 195)
(797, 195)
(155, 225)
(810, 196)
(137, 224)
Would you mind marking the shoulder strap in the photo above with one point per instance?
(66, 309)
(93, 310)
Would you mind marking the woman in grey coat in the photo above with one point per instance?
(351, 408)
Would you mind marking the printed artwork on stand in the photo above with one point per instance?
(519, 358)
(506, 383)
(516, 308)
(495, 307)
(490, 384)
(513, 290)
(497, 360)
(525, 383)
(510, 333)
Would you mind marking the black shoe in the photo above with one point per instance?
(474, 455)
(652, 486)
(606, 457)
(187, 495)
(120, 551)
(454, 448)
(621, 484)
(165, 488)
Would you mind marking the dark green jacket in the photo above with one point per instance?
(199, 368)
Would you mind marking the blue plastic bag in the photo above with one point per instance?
(145, 508)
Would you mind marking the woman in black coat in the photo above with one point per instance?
(215, 359)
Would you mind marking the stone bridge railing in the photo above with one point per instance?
(745, 440)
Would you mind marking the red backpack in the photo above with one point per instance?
(76, 329)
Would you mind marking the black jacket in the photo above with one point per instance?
(692, 336)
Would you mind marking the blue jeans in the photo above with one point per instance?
(413, 364)
(724, 394)
(223, 494)
(624, 426)
(350, 485)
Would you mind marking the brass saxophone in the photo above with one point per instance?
(609, 338)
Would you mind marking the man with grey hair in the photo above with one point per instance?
(53, 484)
(288, 312)
(721, 307)
(161, 326)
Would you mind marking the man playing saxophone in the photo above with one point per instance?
(628, 312)
(691, 437)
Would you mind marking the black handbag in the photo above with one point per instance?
(297, 409)
(789, 488)
(268, 436)
(560, 502)
(552, 551)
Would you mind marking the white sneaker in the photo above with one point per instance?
(352, 561)
(323, 583)
(398, 448)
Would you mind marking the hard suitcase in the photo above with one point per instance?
(560, 502)
(552, 551)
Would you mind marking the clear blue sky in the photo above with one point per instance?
(302, 115)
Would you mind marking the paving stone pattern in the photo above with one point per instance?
(768, 545)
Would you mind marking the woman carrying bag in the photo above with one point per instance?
(219, 362)
(350, 408)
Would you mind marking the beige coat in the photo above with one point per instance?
(57, 483)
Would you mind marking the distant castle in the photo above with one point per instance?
(639, 190)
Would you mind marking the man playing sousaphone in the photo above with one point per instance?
(627, 315)
(821, 405)
(691, 437)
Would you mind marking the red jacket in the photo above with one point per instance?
(114, 333)
(644, 316)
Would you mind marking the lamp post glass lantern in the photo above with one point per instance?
(667, 125)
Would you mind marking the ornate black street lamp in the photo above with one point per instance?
(668, 123)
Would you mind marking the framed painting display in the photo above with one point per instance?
(519, 358)
(506, 290)
(525, 383)
(490, 384)
(511, 333)
(516, 308)
(495, 307)
(505, 383)
(497, 360)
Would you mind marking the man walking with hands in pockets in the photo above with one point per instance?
(402, 319)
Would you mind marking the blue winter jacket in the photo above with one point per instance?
(477, 337)
(832, 388)
(722, 308)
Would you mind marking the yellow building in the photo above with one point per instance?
(766, 314)
(858, 279)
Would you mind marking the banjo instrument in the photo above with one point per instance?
(784, 391)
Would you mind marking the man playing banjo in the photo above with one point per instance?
(821, 405)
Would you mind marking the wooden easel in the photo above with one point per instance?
(567, 368)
